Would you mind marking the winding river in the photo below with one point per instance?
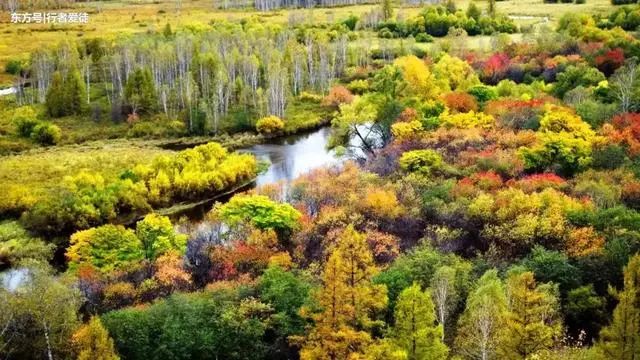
(288, 158)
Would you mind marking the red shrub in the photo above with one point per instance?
(537, 182)
(610, 61)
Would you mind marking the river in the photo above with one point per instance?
(288, 158)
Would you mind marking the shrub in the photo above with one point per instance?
(46, 134)
(483, 93)
(337, 95)
(13, 67)
(310, 97)
(24, 119)
(421, 161)
(358, 86)
(460, 102)
(467, 120)
(269, 125)
(424, 38)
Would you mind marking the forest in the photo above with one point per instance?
(321, 180)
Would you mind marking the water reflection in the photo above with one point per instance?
(294, 155)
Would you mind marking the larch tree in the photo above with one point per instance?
(348, 299)
(483, 318)
(415, 330)
(532, 322)
(621, 339)
(93, 342)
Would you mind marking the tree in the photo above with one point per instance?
(387, 10)
(43, 310)
(106, 247)
(261, 212)
(415, 330)
(74, 93)
(624, 85)
(621, 339)
(444, 294)
(356, 120)
(55, 100)
(140, 92)
(157, 236)
(93, 342)
(483, 318)
(491, 8)
(532, 321)
(347, 299)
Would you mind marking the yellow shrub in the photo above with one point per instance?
(269, 125)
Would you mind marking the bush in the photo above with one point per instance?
(581, 1)
(422, 161)
(460, 102)
(269, 125)
(424, 38)
(351, 22)
(358, 86)
(337, 95)
(310, 97)
(46, 134)
(483, 93)
(24, 119)
(13, 67)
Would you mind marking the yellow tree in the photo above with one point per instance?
(348, 300)
(532, 322)
(420, 81)
(93, 342)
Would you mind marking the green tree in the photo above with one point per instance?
(55, 99)
(483, 318)
(415, 330)
(74, 93)
(532, 321)
(621, 339)
(42, 309)
(261, 212)
(106, 247)
(387, 9)
(157, 235)
(140, 92)
(286, 292)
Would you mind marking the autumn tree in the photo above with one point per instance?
(106, 247)
(43, 311)
(92, 342)
(347, 299)
(532, 322)
(483, 318)
(157, 236)
(621, 339)
(415, 330)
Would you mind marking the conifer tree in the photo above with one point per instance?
(347, 299)
(55, 96)
(93, 342)
(415, 330)
(140, 92)
(621, 339)
(532, 321)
